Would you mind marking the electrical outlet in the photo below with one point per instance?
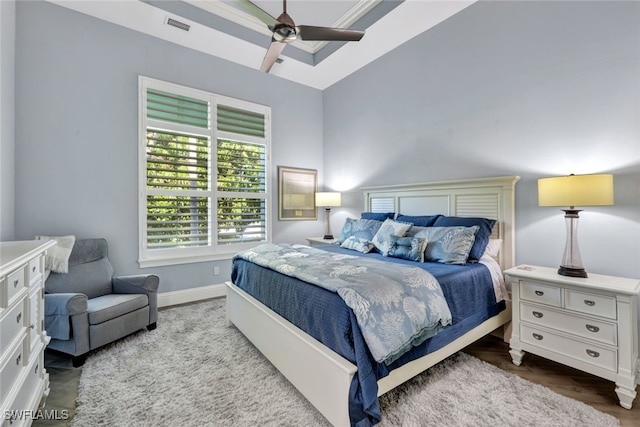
(216, 270)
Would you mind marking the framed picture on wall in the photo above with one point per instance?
(296, 194)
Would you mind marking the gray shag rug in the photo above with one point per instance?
(193, 370)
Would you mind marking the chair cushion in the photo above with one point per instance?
(92, 279)
(110, 306)
(88, 250)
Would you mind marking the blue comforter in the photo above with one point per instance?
(323, 314)
(397, 306)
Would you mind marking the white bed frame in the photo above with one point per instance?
(323, 376)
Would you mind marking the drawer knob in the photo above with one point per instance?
(18, 359)
(33, 269)
(592, 328)
(538, 337)
(35, 371)
(593, 353)
(539, 293)
(537, 314)
(589, 302)
(15, 283)
(19, 317)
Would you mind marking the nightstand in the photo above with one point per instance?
(589, 324)
(319, 241)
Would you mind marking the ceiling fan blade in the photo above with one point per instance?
(307, 32)
(258, 13)
(272, 55)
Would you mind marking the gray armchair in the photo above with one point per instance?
(87, 307)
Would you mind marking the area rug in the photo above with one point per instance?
(194, 370)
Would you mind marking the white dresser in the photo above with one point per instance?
(24, 383)
(590, 323)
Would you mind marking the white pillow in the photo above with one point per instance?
(493, 248)
(388, 228)
(57, 257)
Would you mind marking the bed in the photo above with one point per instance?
(339, 378)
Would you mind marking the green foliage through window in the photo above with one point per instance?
(199, 194)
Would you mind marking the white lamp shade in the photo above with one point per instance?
(328, 199)
(576, 190)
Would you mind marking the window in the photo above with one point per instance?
(203, 174)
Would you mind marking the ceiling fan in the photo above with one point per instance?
(285, 31)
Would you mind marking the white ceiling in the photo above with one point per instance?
(407, 20)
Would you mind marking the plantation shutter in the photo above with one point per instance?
(204, 174)
(241, 177)
(177, 172)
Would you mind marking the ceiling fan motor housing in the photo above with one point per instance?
(285, 30)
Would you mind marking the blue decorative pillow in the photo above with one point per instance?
(378, 216)
(482, 237)
(358, 244)
(448, 245)
(420, 220)
(363, 228)
(411, 248)
(389, 227)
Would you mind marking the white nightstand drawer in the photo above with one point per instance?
(543, 294)
(598, 305)
(598, 330)
(590, 353)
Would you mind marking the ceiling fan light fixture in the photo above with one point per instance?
(285, 33)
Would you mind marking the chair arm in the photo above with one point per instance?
(136, 284)
(58, 309)
(66, 304)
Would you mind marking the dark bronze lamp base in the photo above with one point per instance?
(572, 272)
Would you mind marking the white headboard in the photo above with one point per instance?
(491, 198)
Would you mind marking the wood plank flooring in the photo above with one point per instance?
(564, 380)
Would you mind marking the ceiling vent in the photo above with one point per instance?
(178, 24)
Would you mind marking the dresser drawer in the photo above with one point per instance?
(34, 269)
(598, 330)
(543, 294)
(590, 353)
(15, 283)
(597, 305)
(30, 394)
(34, 313)
(10, 371)
(12, 324)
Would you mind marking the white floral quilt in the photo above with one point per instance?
(397, 306)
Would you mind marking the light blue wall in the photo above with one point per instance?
(7, 119)
(505, 88)
(77, 130)
(525, 88)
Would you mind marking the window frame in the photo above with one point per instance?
(213, 251)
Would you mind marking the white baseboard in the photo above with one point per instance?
(166, 299)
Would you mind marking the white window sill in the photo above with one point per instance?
(161, 262)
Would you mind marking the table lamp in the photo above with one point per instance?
(328, 200)
(572, 191)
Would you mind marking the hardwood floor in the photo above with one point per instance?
(564, 380)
